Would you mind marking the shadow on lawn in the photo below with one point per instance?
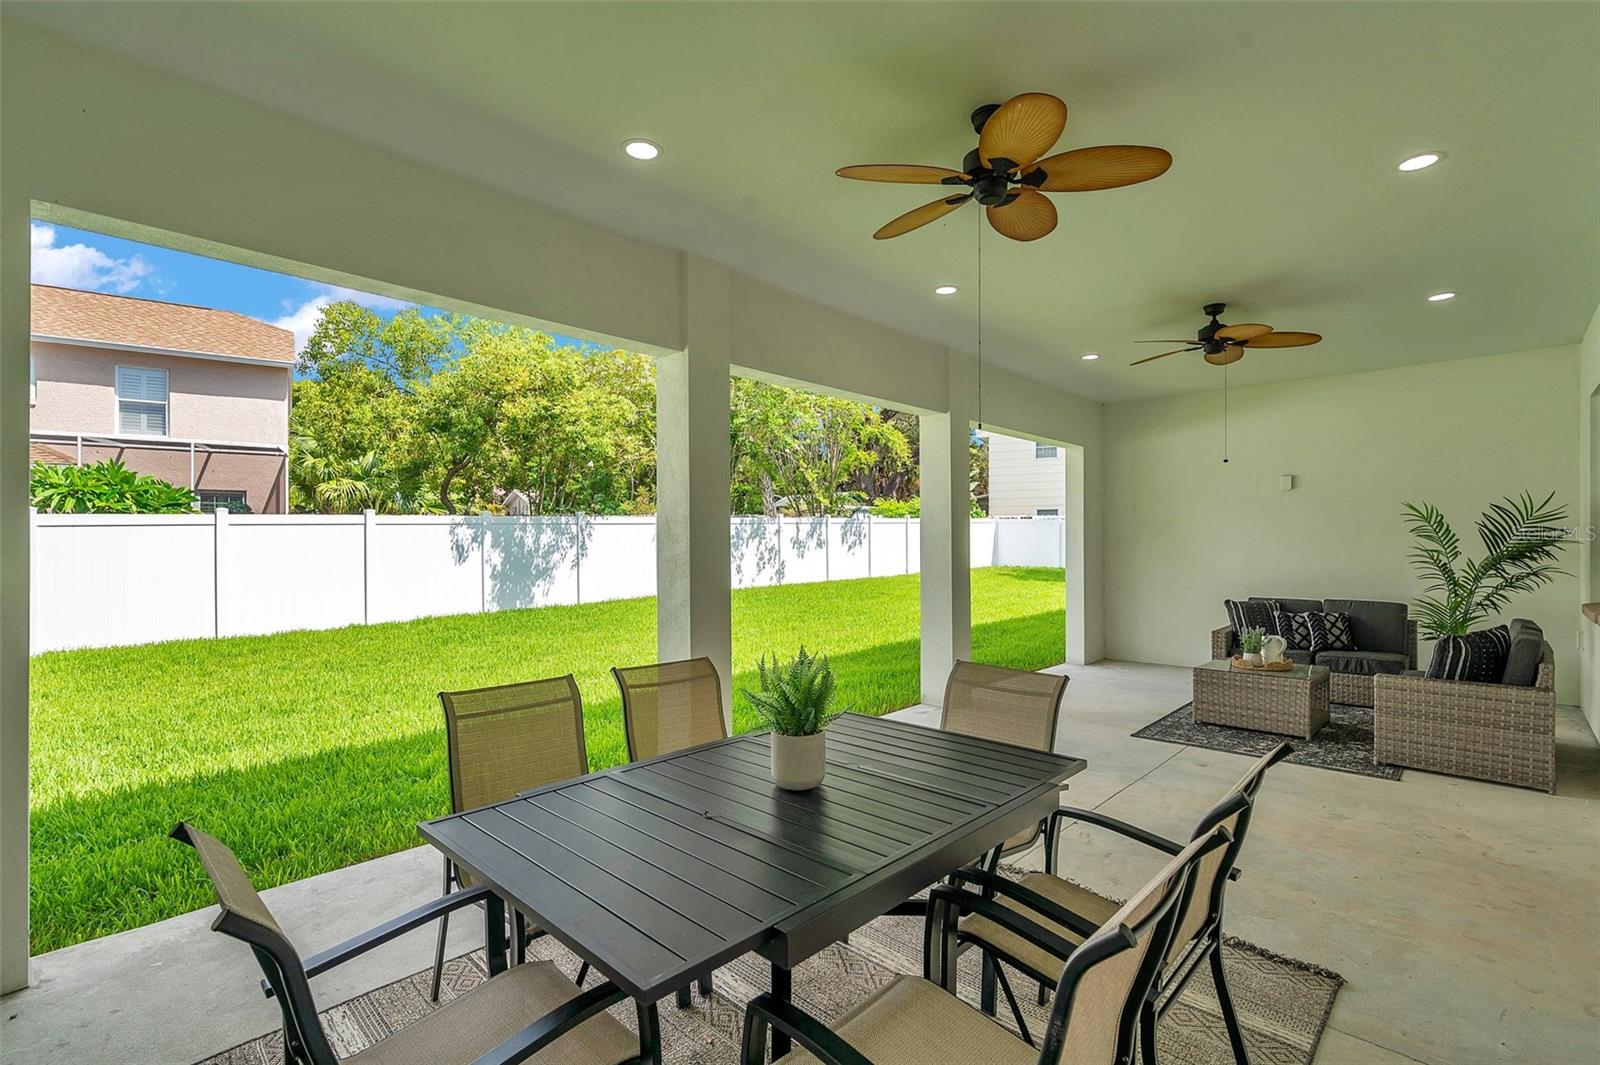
(102, 863)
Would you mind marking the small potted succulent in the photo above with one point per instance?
(794, 701)
(1250, 641)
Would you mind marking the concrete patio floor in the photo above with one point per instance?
(1465, 916)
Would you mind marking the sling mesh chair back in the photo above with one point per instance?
(501, 741)
(515, 1016)
(918, 1021)
(1009, 705)
(670, 705)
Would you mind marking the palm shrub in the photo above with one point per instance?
(794, 699)
(106, 487)
(1521, 542)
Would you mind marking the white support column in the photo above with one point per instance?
(946, 532)
(1082, 518)
(693, 580)
(14, 593)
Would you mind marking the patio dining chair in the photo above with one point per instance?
(1072, 912)
(670, 705)
(530, 1012)
(1013, 706)
(914, 1021)
(501, 741)
(666, 707)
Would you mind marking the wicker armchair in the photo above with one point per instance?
(502, 741)
(915, 1021)
(1500, 732)
(1197, 940)
(1351, 689)
(528, 1013)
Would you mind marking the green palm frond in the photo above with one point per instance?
(795, 698)
(1522, 543)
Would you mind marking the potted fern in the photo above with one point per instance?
(1522, 541)
(794, 701)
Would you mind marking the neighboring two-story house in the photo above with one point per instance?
(195, 396)
(1026, 479)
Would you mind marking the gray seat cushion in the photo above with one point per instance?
(1302, 657)
(1290, 606)
(1375, 626)
(1527, 649)
(1364, 663)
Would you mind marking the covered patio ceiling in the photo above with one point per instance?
(1286, 122)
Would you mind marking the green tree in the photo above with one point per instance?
(798, 452)
(456, 411)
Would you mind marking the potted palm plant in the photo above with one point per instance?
(794, 702)
(1522, 541)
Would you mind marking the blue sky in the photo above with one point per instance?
(78, 258)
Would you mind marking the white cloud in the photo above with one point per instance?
(82, 267)
(302, 319)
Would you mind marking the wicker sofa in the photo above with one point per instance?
(1376, 632)
(1500, 732)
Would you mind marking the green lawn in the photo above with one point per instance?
(308, 751)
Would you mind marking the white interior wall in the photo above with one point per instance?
(212, 173)
(1185, 531)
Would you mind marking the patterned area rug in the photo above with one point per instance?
(1283, 1004)
(1344, 743)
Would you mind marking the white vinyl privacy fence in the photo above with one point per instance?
(109, 579)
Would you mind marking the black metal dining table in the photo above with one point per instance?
(659, 871)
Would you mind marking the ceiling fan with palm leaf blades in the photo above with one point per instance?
(1225, 344)
(1006, 174)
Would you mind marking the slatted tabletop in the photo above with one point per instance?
(660, 871)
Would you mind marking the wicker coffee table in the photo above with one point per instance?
(1290, 703)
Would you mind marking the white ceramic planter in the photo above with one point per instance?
(798, 762)
(1252, 658)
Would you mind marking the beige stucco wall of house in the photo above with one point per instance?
(1019, 483)
(209, 400)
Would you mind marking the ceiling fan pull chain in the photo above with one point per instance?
(980, 322)
(1224, 415)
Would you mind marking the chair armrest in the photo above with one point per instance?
(1221, 642)
(553, 1025)
(963, 902)
(1100, 820)
(355, 946)
(764, 1010)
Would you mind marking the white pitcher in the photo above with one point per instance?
(1272, 648)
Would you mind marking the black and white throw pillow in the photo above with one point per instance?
(1298, 631)
(1243, 614)
(1478, 656)
(1331, 631)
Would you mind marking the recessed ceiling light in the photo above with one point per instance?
(946, 290)
(642, 150)
(1420, 162)
(1440, 297)
(1089, 356)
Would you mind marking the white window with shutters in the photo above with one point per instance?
(141, 401)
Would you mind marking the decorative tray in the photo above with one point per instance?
(1271, 667)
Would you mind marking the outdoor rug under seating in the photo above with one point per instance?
(1283, 1004)
(1344, 743)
